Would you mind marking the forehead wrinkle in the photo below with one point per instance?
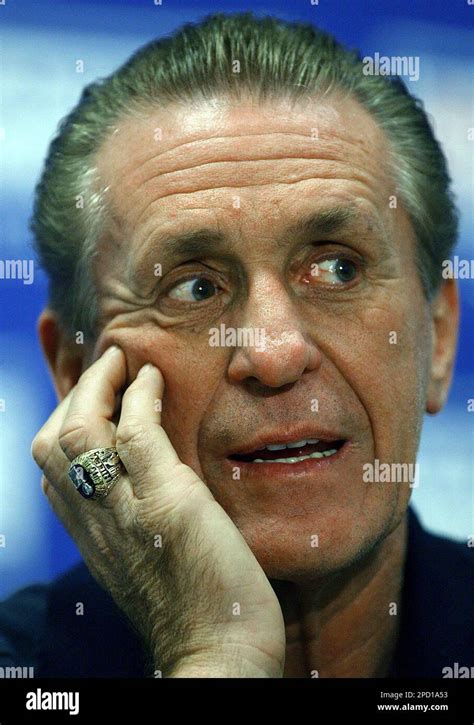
(126, 202)
(332, 137)
(221, 137)
(359, 173)
(327, 150)
(203, 143)
(331, 177)
(216, 163)
(130, 170)
(135, 128)
(361, 177)
(331, 122)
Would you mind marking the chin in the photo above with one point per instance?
(292, 553)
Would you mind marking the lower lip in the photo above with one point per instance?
(309, 466)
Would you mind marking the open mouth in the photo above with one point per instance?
(292, 452)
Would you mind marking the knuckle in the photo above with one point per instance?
(40, 448)
(132, 432)
(135, 445)
(74, 435)
(45, 486)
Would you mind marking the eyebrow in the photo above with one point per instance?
(206, 241)
(324, 222)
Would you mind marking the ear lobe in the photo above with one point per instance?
(445, 322)
(65, 358)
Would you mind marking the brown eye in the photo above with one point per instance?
(194, 290)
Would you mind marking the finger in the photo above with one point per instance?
(88, 423)
(67, 514)
(141, 441)
(51, 459)
(45, 443)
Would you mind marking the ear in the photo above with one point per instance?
(445, 322)
(65, 357)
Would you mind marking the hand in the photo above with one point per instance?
(159, 542)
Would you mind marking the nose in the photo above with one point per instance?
(281, 350)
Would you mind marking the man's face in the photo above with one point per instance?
(340, 308)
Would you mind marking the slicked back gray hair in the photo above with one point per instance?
(277, 59)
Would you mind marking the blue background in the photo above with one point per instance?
(41, 43)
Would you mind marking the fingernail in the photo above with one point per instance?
(145, 369)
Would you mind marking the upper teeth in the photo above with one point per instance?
(295, 444)
(297, 459)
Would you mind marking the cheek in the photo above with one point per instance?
(191, 373)
(388, 369)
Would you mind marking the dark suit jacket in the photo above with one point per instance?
(39, 626)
